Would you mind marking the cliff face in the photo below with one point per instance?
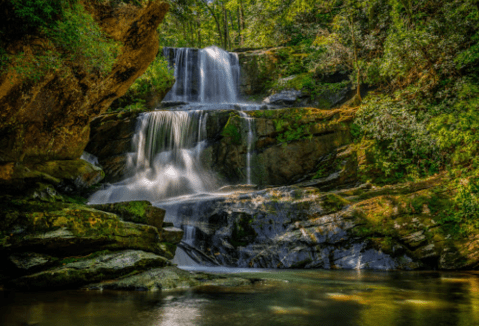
(49, 119)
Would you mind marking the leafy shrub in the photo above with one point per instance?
(456, 123)
(403, 144)
(71, 36)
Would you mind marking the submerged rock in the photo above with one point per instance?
(169, 278)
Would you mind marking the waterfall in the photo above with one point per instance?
(165, 161)
(209, 75)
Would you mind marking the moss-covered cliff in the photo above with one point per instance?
(48, 119)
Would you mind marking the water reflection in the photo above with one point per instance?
(288, 298)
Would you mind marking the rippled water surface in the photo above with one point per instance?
(289, 298)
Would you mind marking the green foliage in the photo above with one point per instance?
(40, 13)
(456, 124)
(290, 127)
(73, 39)
(157, 78)
(403, 145)
(461, 217)
(82, 42)
(333, 203)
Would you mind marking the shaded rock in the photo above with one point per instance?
(69, 176)
(168, 104)
(110, 140)
(172, 234)
(257, 68)
(414, 239)
(283, 137)
(28, 261)
(83, 271)
(44, 192)
(75, 174)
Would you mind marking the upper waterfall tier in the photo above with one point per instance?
(209, 75)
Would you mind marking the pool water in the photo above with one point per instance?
(291, 297)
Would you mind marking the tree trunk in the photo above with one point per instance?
(356, 62)
(225, 22)
(232, 27)
(240, 34)
(198, 24)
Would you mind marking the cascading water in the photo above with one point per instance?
(165, 162)
(209, 75)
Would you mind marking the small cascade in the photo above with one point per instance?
(249, 145)
(190, 233)
(209, 75)
(165, 162)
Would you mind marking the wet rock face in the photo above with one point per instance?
(44, 180)
(49, 120)
(282, 228)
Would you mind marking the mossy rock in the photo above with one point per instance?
(136, 211)
(232, 129)
(69, 229)
(333, 203)
(106, 265)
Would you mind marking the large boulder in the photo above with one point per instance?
(51, 243)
